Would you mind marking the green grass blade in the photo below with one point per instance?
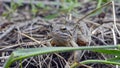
(117, 59)
(26, 53)
(109, 51)
(9, 61)
(99, 61)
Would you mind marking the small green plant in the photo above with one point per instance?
(69, 5)
(34, 10)
(13, 7)
(65, 6)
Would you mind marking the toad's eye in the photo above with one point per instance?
(63, 28)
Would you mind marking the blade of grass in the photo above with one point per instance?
(99, 61)
(117, 59)
(9, 61)
(26, 53)
(108, 51)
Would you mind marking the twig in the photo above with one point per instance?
(114, 27)
(7, 31)
(16, 45)
(114, 37)
(93, 11)
(4, 57)
(30, 37)
(114, 18)
(99, 40)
